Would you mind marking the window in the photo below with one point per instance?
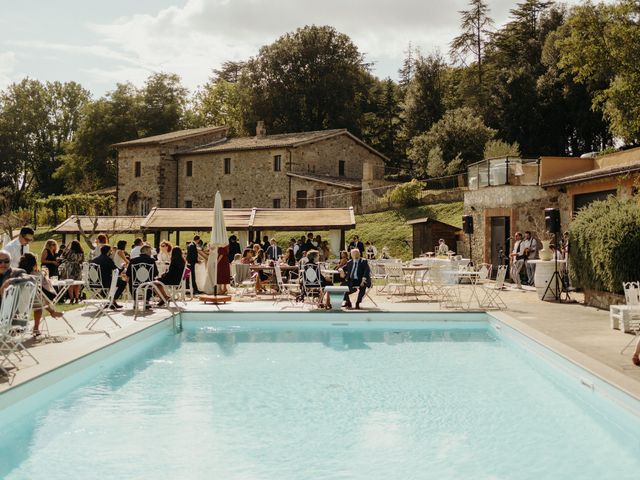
(227, 166)
(277, 163)
(188, 204)
(276, 203)
(138, 169)
(341, 168)
(319, 198)
(301, 199)
(226, 204)
(189, 168)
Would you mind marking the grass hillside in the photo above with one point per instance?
(387, 228)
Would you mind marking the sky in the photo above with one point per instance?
(99, 43)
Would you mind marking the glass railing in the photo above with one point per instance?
(504, 171)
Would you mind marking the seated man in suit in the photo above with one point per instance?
(357, 276)
(144, 258)
(107, 266)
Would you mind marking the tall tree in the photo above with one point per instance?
(219, 102)
(475, 25)
(229, 71)
(163, 105)
(314, 78)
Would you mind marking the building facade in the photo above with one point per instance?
(330, 168)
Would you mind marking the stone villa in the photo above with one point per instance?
(184, 169)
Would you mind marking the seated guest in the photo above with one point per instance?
(173, 275)
(237, 258)
(137, 245)
(164, 256)
(29, 264)
(311, 261)
(119, 255)
(107, 266)
(100, 241)
(357, 276)
(325, 251)
(342, 262)
(370, 251)
(143, 259)
(443, 248)
(19, 245)
(289, 258)
(274, 251)
(356, 243)
(7, 272)
(49, 257)
(247, 257)
(263, 277)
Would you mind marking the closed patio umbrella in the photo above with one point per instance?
(218, 239)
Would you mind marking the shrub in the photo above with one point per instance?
(605, 245)
(406, 194)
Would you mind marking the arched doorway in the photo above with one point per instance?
(138, 204)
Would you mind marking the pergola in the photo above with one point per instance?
(249, 223)
(77, 224)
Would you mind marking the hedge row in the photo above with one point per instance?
(605, 245)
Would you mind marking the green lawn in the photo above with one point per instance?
(387, 228)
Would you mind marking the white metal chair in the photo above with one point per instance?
(43, 300)
(395, 279)
(142, 274)
(243, 284)
(103, 306)
(7, 311)
(492, 293)
(484, 271)
(312, 283)
(92, 277)
(179, 292)
(621, 316)
(26, 294)
(286, 290)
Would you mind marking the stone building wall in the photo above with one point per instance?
(157, 170)
(523, 204)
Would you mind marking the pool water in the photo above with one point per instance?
(315, 400)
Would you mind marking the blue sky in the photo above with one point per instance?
(100, 43)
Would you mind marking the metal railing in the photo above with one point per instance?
(493, 172)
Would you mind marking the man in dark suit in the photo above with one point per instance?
(234, 247)
(356, 243)
(265, 243)
(192, 261)
(144, 258)
(274, 251)
(357, 275)
(107, 266)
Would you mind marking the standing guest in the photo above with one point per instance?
(173, 275)
(19, 245)
(100, 241)
(309, 243)
(298, 248)
(137, 245)
(193, 256)
(371, 252)
(443, 248)
(224, 270)
(325, 251)
(317, 241)
(517, 257)
(61, 250)
(234, 247)
(71, 268)
(357, 276)
(356, 243)
(531, 251)
(49, 257)
(274, 251)
(265, 243)
(107, 267)
(119, 255)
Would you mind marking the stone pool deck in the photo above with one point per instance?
(575, 328)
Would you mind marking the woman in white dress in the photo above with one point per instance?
(164, 256)
(119, 256)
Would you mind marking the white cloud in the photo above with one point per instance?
(7, 66)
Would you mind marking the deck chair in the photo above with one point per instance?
(7, 311)
(26, 294)
(103, 305)
(621, 316)
(312, 283)
(492, 298)
(287, 290)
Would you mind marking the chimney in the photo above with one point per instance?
(260, 130)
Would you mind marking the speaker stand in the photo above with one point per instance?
(470, 264)
(555, 280)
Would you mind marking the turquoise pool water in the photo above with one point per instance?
(323, 400)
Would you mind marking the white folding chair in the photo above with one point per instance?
(312, 284)
(142, 274)
(92, 278)
(395, 279)
(26, 294)
(621, 316)
(492, 293)
(179, 292)
(43, 300)
(243, 284)
(103, 305)
(7, 311)
(286, 290)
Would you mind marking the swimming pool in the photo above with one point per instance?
(266, 396)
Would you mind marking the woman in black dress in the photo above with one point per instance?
(173, 275)
(49, 257)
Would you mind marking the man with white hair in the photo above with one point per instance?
(357, 275)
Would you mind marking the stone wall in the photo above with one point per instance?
(524, 205)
